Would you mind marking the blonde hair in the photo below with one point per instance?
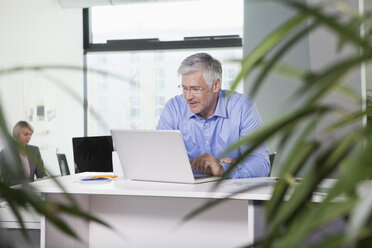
(18, 128)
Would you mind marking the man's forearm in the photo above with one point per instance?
(252, 166)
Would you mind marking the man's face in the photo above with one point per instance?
(204, 100)
(24, 136)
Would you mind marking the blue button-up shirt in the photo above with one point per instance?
(234, 117)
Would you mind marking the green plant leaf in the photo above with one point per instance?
(360, 214)
(250, 61)
(332, 21)
(313, 216)
(260, 135)
(268, 66)
(302, 194)
(350, 118)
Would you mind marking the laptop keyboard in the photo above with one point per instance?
(201, 175)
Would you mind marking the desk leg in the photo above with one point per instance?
(42, 228)
(52, 237)
(256, 221)
(251, 221)
(42, 232)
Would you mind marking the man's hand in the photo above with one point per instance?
(207, 164)
(226, 160)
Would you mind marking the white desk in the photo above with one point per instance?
(148, 213)
(9, 220)
(11, 229)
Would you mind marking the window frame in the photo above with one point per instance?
(195, 42)
(198, 42)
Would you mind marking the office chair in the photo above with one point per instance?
(93, 153)
(63, 165)
(271, 158)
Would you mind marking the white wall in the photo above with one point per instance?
(323, 51)
(318, 50)
(367, 4)
(273, 99)
(40, 32)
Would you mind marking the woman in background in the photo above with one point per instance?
(30, 155)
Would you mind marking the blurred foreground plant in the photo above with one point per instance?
(23, 197)
(345, 155)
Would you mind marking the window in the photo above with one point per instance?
(133, 41)
(144, 86)
(190, 19)
(159, 78)
(134, 107)
(159, 104)
(134, 80)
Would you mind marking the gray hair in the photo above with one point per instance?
(18, 128)
(211, 67)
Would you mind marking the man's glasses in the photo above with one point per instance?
(193, 90)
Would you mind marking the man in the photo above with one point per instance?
(210, 121)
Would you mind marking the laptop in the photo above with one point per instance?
(155, 155)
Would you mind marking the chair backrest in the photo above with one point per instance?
(63, 165)
(272, 157)
(93, 153)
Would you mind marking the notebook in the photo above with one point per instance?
(155, 155)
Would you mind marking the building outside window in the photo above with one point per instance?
(139, 82)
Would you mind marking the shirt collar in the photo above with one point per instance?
(220, 108)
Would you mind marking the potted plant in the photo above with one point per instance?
(291, 215)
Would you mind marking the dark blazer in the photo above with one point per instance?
(34, 169)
